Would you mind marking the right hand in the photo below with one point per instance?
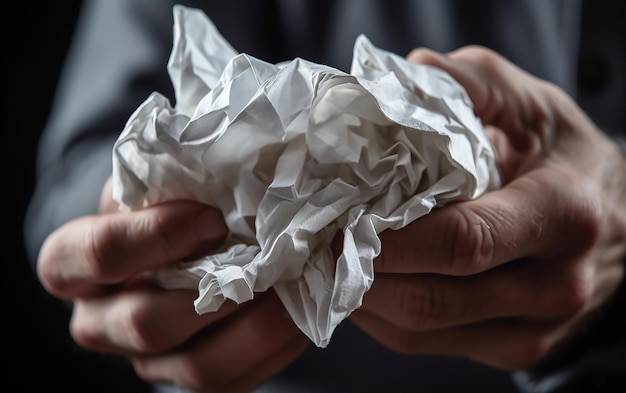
(97, 263)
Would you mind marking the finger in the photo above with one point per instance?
(234, 357)
(510, 223)
(110, 248)
(144, 318)
(509, 161)
(508, 344)
(503, 94)
(525, 288)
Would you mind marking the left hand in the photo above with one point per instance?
(102, 263)
(506, 277)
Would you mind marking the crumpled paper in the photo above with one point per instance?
(291, 153)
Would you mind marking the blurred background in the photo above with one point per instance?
(38, 349)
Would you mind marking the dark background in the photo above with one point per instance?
(39, 352)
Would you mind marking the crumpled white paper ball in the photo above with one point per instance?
(291, 153)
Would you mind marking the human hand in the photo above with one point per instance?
(505, 278)
(98, 262)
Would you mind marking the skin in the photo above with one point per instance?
(501, 280)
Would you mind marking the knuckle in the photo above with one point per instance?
(95, 250)
(420, 305)
(581, 215)
(573, 292)
(472, 242)
(422, 55)
(522, 353)
(188, 373)
(85, 330)
(83, 335)
(483, 57)
(198, 378)
(101, 251)
(140, 328)
(168, 229)
(487, 61)
(141, 365)
(157, 226)
(587, 224)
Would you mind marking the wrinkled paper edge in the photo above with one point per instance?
(356, 255)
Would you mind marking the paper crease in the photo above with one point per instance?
(292, 153)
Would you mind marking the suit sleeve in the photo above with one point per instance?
(118, 56)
